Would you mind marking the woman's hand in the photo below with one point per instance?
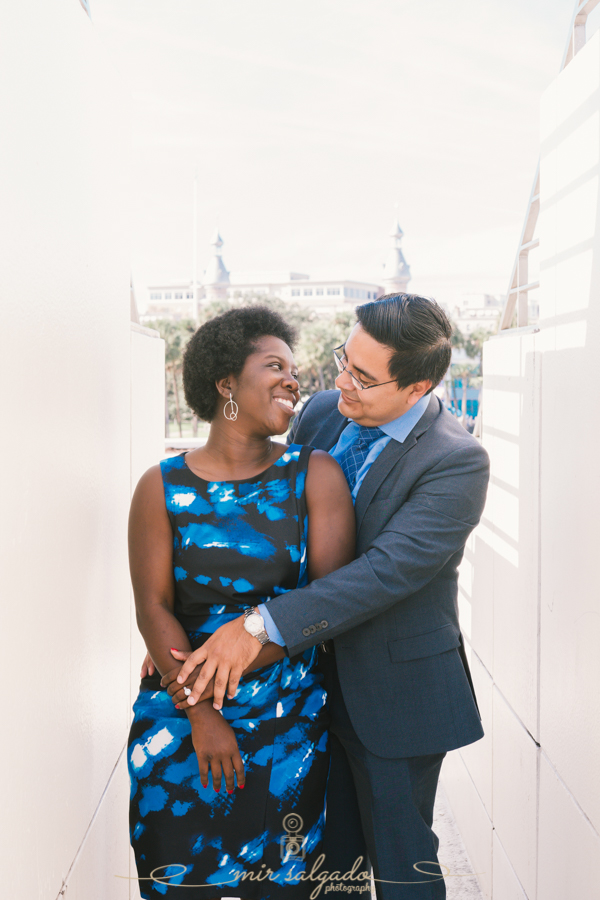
(176, 690)
(148, 667)
(226, 662)
(227, 653)
(216, 747)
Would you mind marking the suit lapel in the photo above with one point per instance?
(389, 456)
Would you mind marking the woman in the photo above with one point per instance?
(214, 532)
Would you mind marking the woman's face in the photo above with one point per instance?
(266, 390)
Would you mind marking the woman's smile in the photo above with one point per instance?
(287, 402)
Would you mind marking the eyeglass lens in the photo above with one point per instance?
(342, 368)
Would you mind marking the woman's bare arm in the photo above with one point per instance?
(331, 522)
(151, 567)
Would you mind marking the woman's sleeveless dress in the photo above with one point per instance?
(235, 545)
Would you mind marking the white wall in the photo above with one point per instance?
(527, 797)
(73, 434)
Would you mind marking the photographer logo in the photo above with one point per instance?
(291, 845)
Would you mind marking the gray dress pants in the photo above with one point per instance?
(380, 809)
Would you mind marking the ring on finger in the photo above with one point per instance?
(187, 691)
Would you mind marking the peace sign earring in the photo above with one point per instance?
(233, 412)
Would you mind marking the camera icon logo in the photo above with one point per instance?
(291, 845)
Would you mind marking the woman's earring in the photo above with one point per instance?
(233, 412)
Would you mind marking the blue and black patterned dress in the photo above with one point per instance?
(235, 545)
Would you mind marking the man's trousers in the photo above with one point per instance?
(380, 809)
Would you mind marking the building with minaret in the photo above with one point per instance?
(396, 272)
(176, 301)
(216, 277)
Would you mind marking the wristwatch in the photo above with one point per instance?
(255, 625)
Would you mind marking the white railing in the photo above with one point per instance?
(519, 286)
(517, 296)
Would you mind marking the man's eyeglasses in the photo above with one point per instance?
(340, 361)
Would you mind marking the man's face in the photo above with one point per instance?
(368, 360)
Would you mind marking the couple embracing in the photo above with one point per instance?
(306, 671)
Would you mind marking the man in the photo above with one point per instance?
(396, 673)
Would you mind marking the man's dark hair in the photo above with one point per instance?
(221, 346)
(418, 331)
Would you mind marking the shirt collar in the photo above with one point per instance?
(400, 428)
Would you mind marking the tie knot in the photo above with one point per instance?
(368, 435)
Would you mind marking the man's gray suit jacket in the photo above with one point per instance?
(393, 611)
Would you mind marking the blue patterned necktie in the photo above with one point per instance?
(354, 457)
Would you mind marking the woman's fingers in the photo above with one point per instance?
(229, 774)
(215, 767)
(238, 766)
(148, 667)
(203, 766)
(180, 654)
(174, 686)
(170, 677)
(179, 698)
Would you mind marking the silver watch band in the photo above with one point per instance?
(262, 636)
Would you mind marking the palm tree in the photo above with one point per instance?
(175, 334)
(314, 354)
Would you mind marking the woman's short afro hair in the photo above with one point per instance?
(221, 346)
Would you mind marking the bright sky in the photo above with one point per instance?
(309, 121)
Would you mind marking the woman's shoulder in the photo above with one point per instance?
(326, 483)
(317, 460)
(150, 485)
(323, 472)
(152, 481)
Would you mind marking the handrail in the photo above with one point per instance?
(516, 296)
(518, 287)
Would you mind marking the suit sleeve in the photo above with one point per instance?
(426, 531)
(291, 438)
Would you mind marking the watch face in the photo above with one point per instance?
(254, 624)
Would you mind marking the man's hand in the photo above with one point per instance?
(226, 654)
(176, 690)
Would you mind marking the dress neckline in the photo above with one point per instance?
(236, 480)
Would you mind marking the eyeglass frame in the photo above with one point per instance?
(355, 379)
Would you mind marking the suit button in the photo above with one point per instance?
(318, 626)
(312, 629)
(306, 632)
(324, 623)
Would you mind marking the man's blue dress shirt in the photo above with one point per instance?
(397, 430)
